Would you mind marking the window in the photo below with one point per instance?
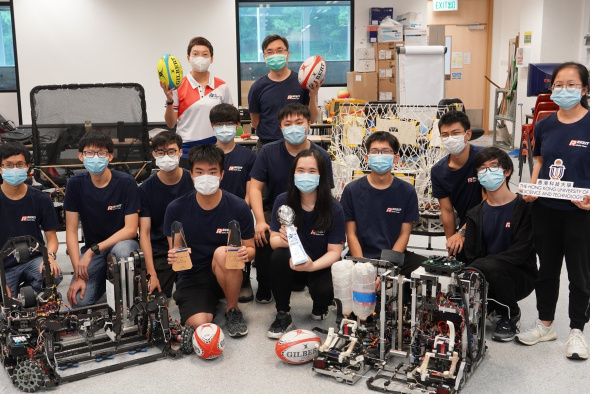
(7, 69)
(312, 28)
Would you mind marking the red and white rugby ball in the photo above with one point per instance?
(297, 346)
(312, 69)
(208, 341)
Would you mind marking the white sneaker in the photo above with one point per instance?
(576, 345)
(537, 333)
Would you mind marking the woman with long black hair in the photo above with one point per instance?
(319, 221)
(561, 227)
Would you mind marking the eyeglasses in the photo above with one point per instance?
(570, 87)
(482, 171)
(382, 152)
(169, 152)
(100, 153)
(280, 51)
(10, 166)
(444, 136)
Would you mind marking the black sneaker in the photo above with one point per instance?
(262, 297)
(236, 325)
(281, 325)
(246, 294)
(506, 329)
(319, 312)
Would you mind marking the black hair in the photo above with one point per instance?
(209, 154)
(323, 217)
(271, 38)
(493, 153)
(224, 112)
(453, 117)
(294, 109)
(165, 138)
(97, 139)
(582, 72)
(383, 136)
(199, 41)
(10, 149)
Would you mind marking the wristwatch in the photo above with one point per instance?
(51, 254)
(95, 249)
(169, 102)
(462, 232)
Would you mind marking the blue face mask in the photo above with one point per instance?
(381, 163)
(14, 176)
(295, 135)
(566, 100)
(96, 165)
(224, 134)
(306, 183)
(491, 180)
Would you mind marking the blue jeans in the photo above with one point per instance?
(29, 274)
(97, 271)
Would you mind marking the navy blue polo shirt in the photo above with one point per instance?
(267, 97)
(155, 197)
(314, 242)
(273, 167)
(26, 216)
(102, 210)
(461, 186)
(379, 214)
(206, 230)
(570, 144)
(496, 226)
(238, 164)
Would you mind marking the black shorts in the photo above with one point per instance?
(199, 294)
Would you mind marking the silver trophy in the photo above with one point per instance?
(286, 216)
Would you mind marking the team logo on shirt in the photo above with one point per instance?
(581, 144)
(507, 224)
(472, 179)
(114, 207)
(235, 168)
(214, 96)
(393, 210)
(293, 97)
(28, 218)
(222, 231)
(313, 232)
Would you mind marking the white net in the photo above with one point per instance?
(416, 128)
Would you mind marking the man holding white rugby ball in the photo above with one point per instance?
(278, 88)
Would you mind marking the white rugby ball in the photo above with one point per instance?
(208, 341)
(297, 346)
(312, 69)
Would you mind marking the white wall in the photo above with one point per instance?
(9, 106)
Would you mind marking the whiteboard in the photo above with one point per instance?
(421, 74)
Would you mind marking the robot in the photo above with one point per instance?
(41, 336)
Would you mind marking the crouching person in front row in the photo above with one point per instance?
(205, 215)
(499, 242)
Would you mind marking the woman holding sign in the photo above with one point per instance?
(561, 227)
(319, 222)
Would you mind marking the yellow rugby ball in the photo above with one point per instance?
(170, 71)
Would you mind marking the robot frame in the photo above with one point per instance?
(428, 340)
(40, 335)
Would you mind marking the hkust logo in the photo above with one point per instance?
(578, 143)
(28, 218)
(114, 207)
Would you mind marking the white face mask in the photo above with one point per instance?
(454, 145)
(200, 64)
(167, 163)
(206, 184)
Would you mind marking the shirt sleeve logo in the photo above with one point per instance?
(578, 143)
(313, 232)
(293, 96)
(114, 207)
(235, 168)
(393, 210)
(28, 218)
(472, 179)
(222, 231)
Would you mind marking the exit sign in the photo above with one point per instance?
(446, 5)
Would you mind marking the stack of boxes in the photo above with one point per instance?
(386, 55)
(414, 32)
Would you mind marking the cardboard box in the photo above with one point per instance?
(416, 37)
(362, 86)
(378, 14)
(386, 50)
(372, 32)
(387, 89)
(410, 19)
(391, 33)
(386, 68)
(365, 54)
(365, 66)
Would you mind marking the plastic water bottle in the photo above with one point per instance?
(363, 289)
(342, 281)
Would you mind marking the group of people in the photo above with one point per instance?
(205, 181)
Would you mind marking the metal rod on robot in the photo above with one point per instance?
(400, 287)
(382, 317)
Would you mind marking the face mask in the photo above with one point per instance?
(306, 183)
(96, 165)
(167, 163)
(206, 184)
(295, 135)
(224, 134)
(200, 64)
(566, 100)
(454, 145)
(14, 176)
(491, 180)
(381, 163)
(276, 62)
